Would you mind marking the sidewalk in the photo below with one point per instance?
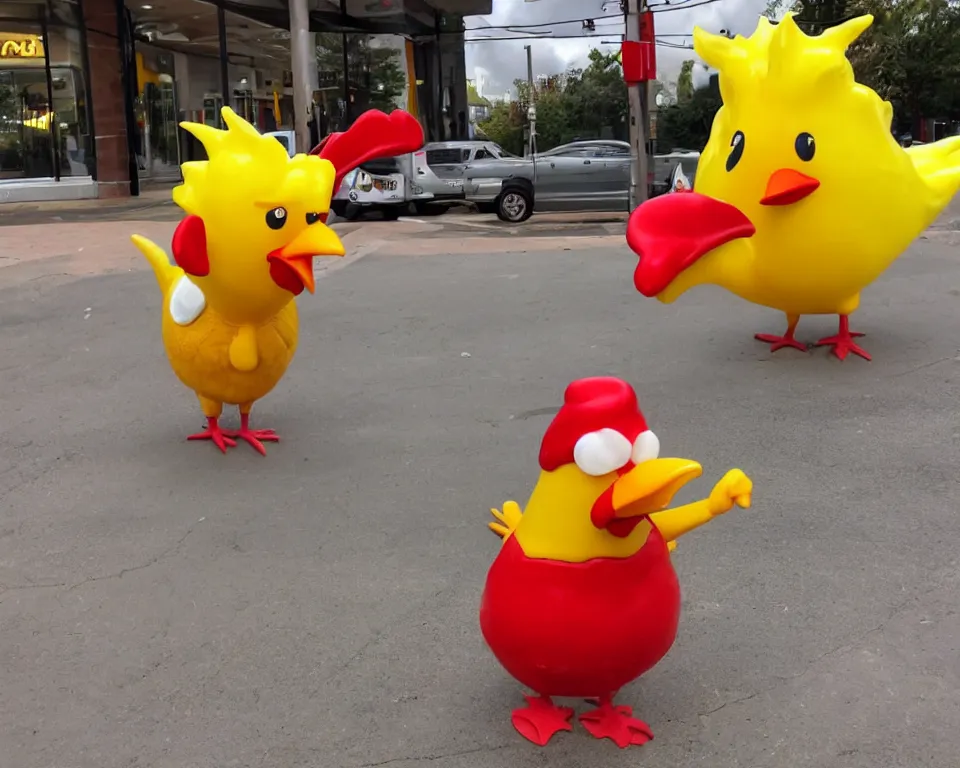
(56, 252)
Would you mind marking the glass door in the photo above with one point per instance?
(161, 150)
(26, 124)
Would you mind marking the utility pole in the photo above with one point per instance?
(532, 106)
(303, 65)
(637, 94)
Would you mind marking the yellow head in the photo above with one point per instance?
(804, 151)
(256, 219)
(601, 477)
(574, 517)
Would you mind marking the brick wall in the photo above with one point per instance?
(113, 171)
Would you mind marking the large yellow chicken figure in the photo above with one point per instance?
(256, 219)
(583, 598)
(803, 196)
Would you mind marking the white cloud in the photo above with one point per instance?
(502, 62)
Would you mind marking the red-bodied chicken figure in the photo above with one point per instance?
(256, 219)
(583, 598)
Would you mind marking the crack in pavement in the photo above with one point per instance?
(847, 646)
(432, 758)
(168, 552)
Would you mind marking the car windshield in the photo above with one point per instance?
(503, 153)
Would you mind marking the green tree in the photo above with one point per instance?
(685, 82)
(814, 16)
(375, 76)
(686, 125)
(580, 103)
(505, 126)
(776, 8)
(911, 56)
(596, 99)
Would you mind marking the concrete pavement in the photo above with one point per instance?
(166, 606)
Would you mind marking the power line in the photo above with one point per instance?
(660, 43)
(680, 6)
(534, 37)
(549, 23)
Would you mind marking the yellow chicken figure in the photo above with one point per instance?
(256, 219)
(803, 195)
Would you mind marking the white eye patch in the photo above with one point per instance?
(646, 447)
(602, 452)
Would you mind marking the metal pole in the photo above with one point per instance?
(303, 54)
(347, 111)
(531, 95)
(224, 60)
(637, 106)
(52, 117)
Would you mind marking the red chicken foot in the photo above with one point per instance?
(255, 437)
(843, 342)
(227, 438)
(787, 340)
(617, 723)
(215, 435)
(541, 719)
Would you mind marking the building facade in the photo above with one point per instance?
(92, 91)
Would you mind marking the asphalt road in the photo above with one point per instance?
(169, 607)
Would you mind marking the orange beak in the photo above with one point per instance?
(297, 255)
(788, 186)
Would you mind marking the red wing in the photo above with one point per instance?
(190, 247)
(374, 134)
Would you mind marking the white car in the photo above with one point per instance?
(388, 185)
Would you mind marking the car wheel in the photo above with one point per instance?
(514, 205)
(352, 212)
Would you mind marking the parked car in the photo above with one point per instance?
(387, 185)
(486, 175)
(596, 174)
(582, 175)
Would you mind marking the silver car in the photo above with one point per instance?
(581, 175)
(584, 175)
(595, 175)
(487, 175)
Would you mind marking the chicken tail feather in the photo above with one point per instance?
(374, 134)
(938, 164)
(165, 272)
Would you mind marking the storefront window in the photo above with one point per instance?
(44, 105)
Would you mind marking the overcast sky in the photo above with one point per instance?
(502, 62)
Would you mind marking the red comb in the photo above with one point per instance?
(374, 134)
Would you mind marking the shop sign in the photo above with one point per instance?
(25, 48)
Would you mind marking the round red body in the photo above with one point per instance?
(580, 629)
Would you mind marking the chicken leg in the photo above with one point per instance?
(843, 342)
(787, 340)
(616, 722)
(255, 437)
(540, 719)
(214, 433)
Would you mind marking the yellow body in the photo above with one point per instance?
(874, 199)
(220, 361)
(237, 334)
(556, 524)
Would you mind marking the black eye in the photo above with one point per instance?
(313, 218)
(277, 218)
(736, 150)
(806, 147)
